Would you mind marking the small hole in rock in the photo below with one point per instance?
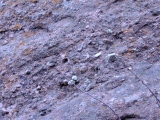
(28, 73)
(65, 60)
(63, 84)
(130, 116)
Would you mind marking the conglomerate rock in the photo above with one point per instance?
(107, 48)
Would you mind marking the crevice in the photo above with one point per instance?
(143, 83)
(129, 116)
(115, 1)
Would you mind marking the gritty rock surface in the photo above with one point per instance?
(44, 45)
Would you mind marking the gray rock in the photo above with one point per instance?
(71, 82)
(51, 63)
(74, 37)
(38, 88)
(74, 77)
(83, 69)
(112, 57)
(109, 31)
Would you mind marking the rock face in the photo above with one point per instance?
(109, 48)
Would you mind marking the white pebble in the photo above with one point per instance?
(71, 82)
(130, 68)
(112, 54)
(98, 54)
(74, 77)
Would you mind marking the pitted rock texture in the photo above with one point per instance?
(105, 46)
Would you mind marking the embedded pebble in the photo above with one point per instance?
(109, 31)
(39, 88)
(49, 50)
(71, 82)
(51, 63)
(74, 77)
(27, 72)
(130, 68)
(98, 54)
(83, 69)
(112, 57)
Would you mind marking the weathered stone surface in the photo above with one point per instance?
(48, 47)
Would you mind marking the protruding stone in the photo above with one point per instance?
(71, 82)
(28, 72)
(38, 87)
(74, 77)
(83, 69)
(112, 57)
(98, 54)
(109, 31)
